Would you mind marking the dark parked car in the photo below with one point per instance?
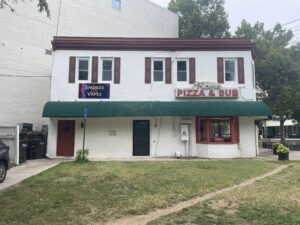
(4, 160)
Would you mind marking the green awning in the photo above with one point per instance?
(175, 108)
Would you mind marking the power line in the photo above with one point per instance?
(296, 30)
(293, 21)
(12, 75)
(26, 71)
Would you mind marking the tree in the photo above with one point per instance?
(277, 69)
(201, 18)
(42, 5)
(296, 116)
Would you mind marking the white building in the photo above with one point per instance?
(25, 44)
(153, 97)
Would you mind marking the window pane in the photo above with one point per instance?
(220, 130)
(158, 76)
(181, 71)
(229, 70)
(116, 4)
(83, 75)
(181, 76)
(181, 65)
(107, 64)
(202, 130)
(83, 64)
(158, 65)
(107, 75)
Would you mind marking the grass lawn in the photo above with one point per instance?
(271, 201)
(80, 194)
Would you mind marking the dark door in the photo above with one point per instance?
(141, 138)
(65, 138)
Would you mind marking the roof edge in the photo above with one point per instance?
(149, 44)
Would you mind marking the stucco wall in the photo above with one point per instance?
(25, 69)
(165, 139)
(133, 87)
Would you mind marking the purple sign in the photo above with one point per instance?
(94, 91)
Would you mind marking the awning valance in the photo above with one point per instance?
(176, 108)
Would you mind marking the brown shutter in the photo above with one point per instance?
(168, 71)
(117, 74)
(72, 69)
(192, 70)
(95, 62)
(241, 71)
(147, 70)
(220, 70)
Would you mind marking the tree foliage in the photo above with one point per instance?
(42, 5)
(277, 68)
(201, 18)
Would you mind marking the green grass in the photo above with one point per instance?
(80, 194)
(274, 200)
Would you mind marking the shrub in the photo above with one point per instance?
(282, 149)
(275, 145)
(82, 156)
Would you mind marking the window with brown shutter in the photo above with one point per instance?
(95, 62)
(241, 71)
(148, 70)
(192, 70)
(117, 69)
(72, 69)
(220, 70)
(168, 71)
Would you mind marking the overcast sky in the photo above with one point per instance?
(268, 11)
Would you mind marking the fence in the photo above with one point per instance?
(10, 137)
(292, 143)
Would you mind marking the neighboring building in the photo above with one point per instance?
(272, 129)
(25, 44)
(153, 97)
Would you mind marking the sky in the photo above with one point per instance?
(267, 11)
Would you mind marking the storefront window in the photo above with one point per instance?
(217, 130)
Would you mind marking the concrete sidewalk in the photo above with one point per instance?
(28, 169)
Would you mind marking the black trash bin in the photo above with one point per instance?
(23, 148)
(37, 143)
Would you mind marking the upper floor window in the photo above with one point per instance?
(230, 70)
(107, 69)
(158, 70)
(182, 70)
(83, 69)
(116, 4)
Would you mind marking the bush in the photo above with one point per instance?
(82, 156)
(275, 146)
(282, 149)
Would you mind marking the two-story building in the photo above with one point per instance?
(156, 97)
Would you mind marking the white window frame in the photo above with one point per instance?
(187, 70)
(77, 69)
(112, 69)
(116, 4)
(253, 74)
(235, 70)
(164, 70)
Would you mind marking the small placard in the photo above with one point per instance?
(94, 91)
(112, 133)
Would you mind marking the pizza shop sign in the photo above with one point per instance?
(207, 90)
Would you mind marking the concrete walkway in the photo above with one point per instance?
(28, 169)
